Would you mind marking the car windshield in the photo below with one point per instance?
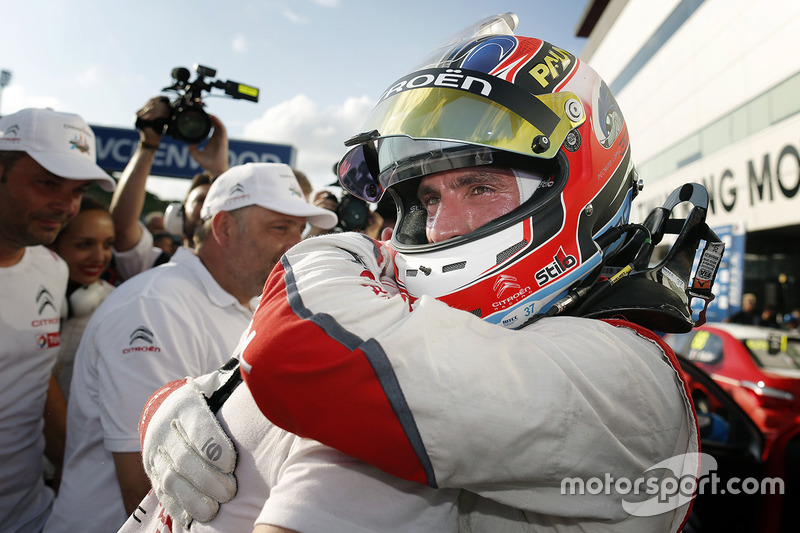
(777, 352)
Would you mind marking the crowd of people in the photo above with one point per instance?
(750, 315)
(379, 389)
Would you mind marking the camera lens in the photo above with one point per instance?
(353, 213)
(190, 124)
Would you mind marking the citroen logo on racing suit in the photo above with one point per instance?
(505, 282)
(508, 284)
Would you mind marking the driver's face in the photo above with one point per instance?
(462, 200)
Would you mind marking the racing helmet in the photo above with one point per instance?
(491, 98)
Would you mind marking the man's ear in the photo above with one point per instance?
(223, 227)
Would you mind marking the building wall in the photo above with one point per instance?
(724, 55)
(710, 90)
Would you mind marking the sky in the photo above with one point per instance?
(319, 64)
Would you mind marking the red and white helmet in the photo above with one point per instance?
(493, 98)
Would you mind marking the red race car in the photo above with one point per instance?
(751, 483)
(758, 366)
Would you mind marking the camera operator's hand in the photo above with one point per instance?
(214, 156)
(156, 108)
(325, 200)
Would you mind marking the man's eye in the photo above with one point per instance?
(430, 200)
(481, 189)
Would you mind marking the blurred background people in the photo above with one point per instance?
(748, 313)
(791, 321)
(182, 318)
(86, 244)
(167, 242)
(356, 215)
(154, 222)
(47, 161)
(305, 183)
(135, 250)
(769, 317)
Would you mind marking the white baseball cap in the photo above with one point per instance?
(61, 142)
(269, 185)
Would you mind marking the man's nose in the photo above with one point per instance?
(450, 220)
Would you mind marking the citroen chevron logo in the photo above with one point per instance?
(237, 189)
(12, 130)
(43, 299)
(505, 282)
(143, 334)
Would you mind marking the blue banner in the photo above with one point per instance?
(115, 147)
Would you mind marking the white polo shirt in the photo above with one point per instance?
(166, 323)
(32, 293)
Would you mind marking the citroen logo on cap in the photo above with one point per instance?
(237, 189)
(12, 130)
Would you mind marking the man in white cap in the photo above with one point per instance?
(183, 318)
(47, 161)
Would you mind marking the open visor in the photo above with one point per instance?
(483, 111)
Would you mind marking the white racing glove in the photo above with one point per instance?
(187, 455)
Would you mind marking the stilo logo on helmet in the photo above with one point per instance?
(518, 103)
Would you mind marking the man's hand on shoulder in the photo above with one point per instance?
(187, 455)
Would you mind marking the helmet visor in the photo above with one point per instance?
(483, 111)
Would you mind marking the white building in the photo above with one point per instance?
(711, 93)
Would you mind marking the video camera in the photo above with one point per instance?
(188, 121)
(353, 213)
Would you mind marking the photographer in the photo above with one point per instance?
(134, 249)
(354, 215)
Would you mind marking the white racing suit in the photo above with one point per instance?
(550, 428)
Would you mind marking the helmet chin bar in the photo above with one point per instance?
(660, 297)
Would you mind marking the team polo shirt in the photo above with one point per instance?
(31, 298)
(166, 323)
